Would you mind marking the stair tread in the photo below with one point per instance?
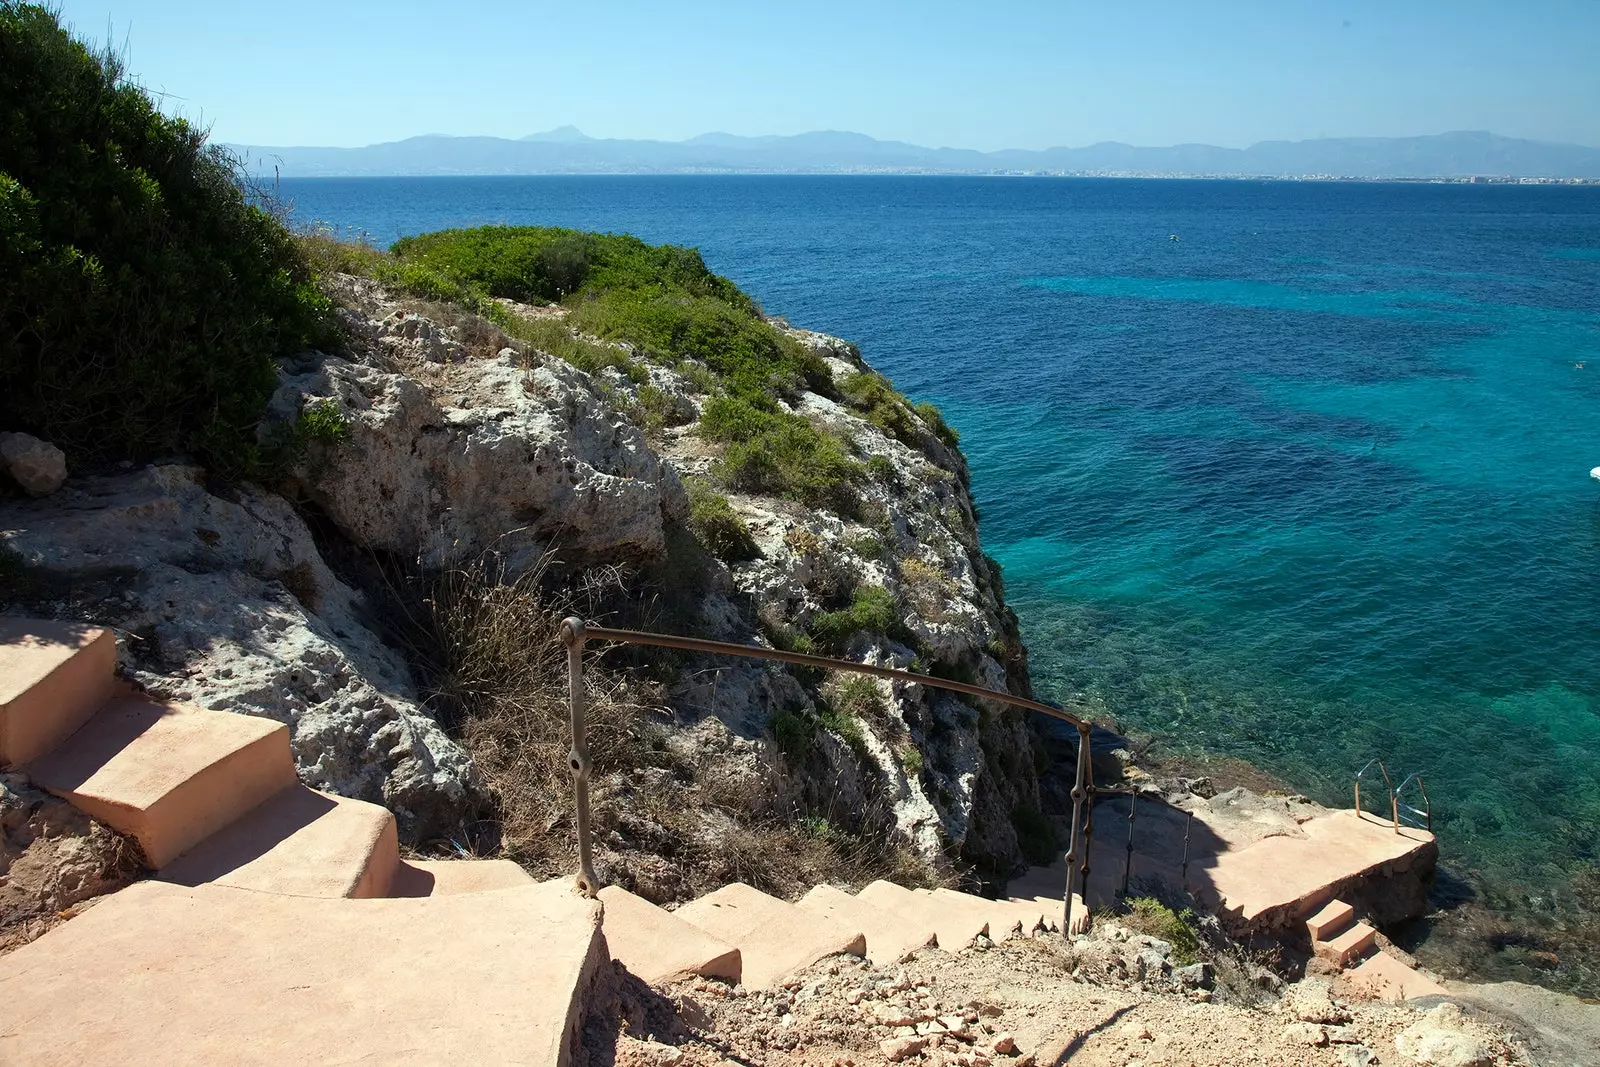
(1329, 920)
(890, 936)
(53, 676)
(163, 974)
(657, 946)
(1004, 918)
(955, 928)
(1347, 939)
(300, 842)
(774, 937)
(435, 878)
(168, 774)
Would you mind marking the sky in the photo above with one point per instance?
(992, 75)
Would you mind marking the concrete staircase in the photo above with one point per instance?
(1349, 944)
(281, 924)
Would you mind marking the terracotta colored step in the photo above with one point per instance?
(437, 878)
(774, 938)
(890, 936)
(160, 974)
(1341, 948)
(53, 677)
(300, 842)
(1053, 911)
(657, 946)
(1331, 920)
(954, 927)
(167, 774)
(1384, 977)
(1005, 918)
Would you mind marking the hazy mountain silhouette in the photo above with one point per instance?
(568, 150)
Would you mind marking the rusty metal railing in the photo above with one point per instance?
(576, 633)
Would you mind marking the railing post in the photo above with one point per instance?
(1184, 873)
(1088, 808)
(572, 635)
(1127, 867)
(1072, 842)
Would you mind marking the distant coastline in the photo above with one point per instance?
(1462, 157)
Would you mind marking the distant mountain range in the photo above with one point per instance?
(569, 151)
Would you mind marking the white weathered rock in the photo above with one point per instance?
(226, 603)
(484, 452)
(38, 466)
(1311, 1001)
(1442, 1038)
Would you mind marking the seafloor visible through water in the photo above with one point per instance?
(1294, 472)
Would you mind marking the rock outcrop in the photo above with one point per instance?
(39, 467)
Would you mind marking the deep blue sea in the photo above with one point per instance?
(1296, 472)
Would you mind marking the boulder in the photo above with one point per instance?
(39, 467)
(226, 603)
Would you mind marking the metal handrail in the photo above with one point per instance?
(1394, 810)
(1425, 813)
(575, 633)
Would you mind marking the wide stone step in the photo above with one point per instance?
(1330, 920)
(436, 878)
(1005, 918)
(774, 938)
(955, 928)
(53, 677)
(301, 842)
(890, 936)
(1384, 977)
(166, 774)
(161, 974)
(1343, 947)
(657, 946)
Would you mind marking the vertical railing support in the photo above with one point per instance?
(1088, 808)
(1184, 873)
(572, 635)
(1127, 866)
(1072, 841)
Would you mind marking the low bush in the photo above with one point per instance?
(1148, 915)
(717, 525)
(143, 295)
(935, 420)
(872, 395)
(872, 609)
(779, 454)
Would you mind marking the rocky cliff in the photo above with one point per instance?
(436, 437)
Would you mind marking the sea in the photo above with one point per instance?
(1293, 472)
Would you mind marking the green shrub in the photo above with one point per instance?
(142, 295)
(845, 725)
(794, 459)
(872, 395)
(793, 732)
(935, 420)
(717, 525)
(1149, 916)
(872, 609)
(539, 264)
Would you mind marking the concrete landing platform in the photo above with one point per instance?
(161, 974)
(1263, 866)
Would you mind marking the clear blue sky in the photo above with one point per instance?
(990, 75)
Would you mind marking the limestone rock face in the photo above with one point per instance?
(446, 456)
(226, 603)
(38, 466)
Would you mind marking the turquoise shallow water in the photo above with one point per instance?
(1307, 485)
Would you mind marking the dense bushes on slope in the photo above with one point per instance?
(142, 296)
